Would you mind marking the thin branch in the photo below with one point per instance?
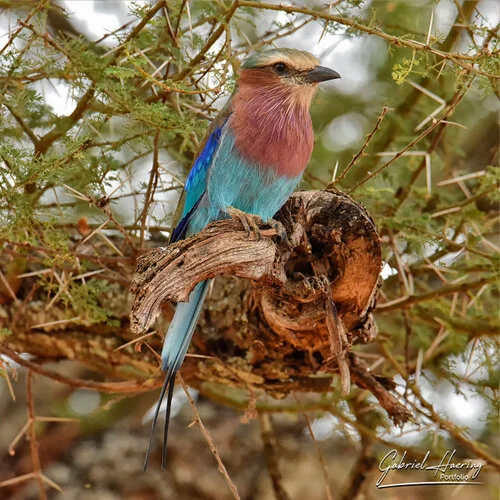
(151, 189)
(35, 457)
(453, 104)
(365, 462)
(326, 404)
(270, 452)
(140, 26)
(6, 375)
(361, 152)
(403, 302)
(33, 138)
(41, 5)
(213, 38)
(456, 432)
(457, 58)
(135, 386)
(209, 440)
(324, 468)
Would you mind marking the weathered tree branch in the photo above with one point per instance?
(277, 334)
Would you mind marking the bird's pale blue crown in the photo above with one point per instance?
(300, 65)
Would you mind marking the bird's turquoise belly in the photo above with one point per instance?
(235, 182)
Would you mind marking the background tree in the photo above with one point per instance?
(411, 133)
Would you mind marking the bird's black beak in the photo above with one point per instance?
(321, 74)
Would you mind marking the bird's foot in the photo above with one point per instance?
(247, 221)
(279, 228)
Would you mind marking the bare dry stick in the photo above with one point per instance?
(134, 386)
(209, 440)
(321, 459)
(361, 152)
(35, 457)
(270, 452)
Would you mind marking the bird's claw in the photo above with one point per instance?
(247, 221)
(279, 228)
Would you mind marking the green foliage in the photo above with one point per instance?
(5, 332)
(85, 300)
(402, 70)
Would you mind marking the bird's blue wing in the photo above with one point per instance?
(195, 184)
(196, 181)
(182, 327)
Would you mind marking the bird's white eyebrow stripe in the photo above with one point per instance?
(303, 63)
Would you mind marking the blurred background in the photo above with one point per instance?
(93, 92)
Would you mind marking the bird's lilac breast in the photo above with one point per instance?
(273, 129)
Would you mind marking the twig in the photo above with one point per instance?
(338, 340)
(361, 152)
(166, 89)
(209, 440)
(140, 26)
(402, 302)
(456, 99)
(457, 58)
(453, 104)
(456, 432)
(150, 193)
(31, 433)
(270, 452)
(324, 468)
(7, 378)
(33, 138)
(108, 387)
(18, 479)
(365, 462)
(213, 38)
(366, 380)
(41, 5)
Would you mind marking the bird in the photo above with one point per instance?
(251, 160)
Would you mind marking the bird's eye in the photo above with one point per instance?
(280, 68)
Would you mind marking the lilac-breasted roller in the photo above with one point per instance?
(252, 159)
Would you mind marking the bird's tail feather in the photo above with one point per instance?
(174, 350)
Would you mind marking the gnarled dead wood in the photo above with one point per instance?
(301, 307)
(332, 241)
